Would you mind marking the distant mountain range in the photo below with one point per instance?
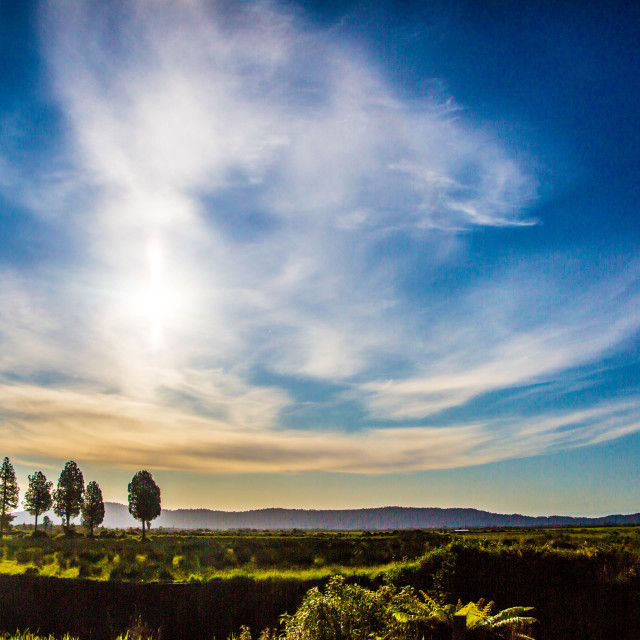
(117, 516)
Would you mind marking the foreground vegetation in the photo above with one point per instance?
(403, 585)
(346, 611)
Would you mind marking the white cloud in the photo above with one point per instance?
(496, 339)
(116, 431)
(189, 101)
(270, 166)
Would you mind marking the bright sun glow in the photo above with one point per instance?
(157, 297)
(154, 302)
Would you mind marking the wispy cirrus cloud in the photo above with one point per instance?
(240, 189)
(115, 430)
(171, 131)
(523, 328)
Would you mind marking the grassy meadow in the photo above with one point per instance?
(187, 556)
(169, 556)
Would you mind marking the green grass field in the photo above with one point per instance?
(169, 556)
(190, 556)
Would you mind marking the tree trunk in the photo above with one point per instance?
(36, 529)
(143, 530)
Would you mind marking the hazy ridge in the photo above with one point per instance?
(117, 516)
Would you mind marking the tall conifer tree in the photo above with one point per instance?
(9, 493)
(92, 507)
(38, 498)
(67, 498)
(144, 499)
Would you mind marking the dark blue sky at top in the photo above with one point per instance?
(559, 85)
(553, 85)
(557, 81)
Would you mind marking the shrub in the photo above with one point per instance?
(343, 612)
(164, 575)
(91, 555)
(139, 630)
(88, 570)
(23, 556)
(348, 611)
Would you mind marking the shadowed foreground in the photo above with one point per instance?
(587, 593)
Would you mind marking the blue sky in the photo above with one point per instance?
(323, 254)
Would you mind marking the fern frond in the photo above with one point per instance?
(441, 615)
(515, 621)
(473, 614)
(511, 612)
(486, 611)
(428, 600)
(403, 617)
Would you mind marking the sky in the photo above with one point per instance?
(323, 254)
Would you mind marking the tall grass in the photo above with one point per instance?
(184, 557)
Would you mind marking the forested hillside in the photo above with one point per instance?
(117, 516)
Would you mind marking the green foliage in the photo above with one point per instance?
(92, 507)
(510, 623)
(165, 575)
(409, 609)
(28, 635)
(348, 611)
(144, 499)
(9, 493)
(342, 612)
(67, 498)
(38, 498)
(139, 630)
(88, 570)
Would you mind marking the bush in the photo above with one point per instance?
(139, 630)
(343, 612)
(91, 555)
(164, 575)
(88, 570)
(348, 611)
(23, 556)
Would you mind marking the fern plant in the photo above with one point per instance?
(510, 623)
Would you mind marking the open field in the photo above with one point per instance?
(583, 582)
(200, 556)
(170, 556)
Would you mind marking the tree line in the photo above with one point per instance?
(71, 499)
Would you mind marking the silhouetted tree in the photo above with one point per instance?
(67, 498)
(38, 499)
(9, 493)
(144, 499)
(92, 507)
